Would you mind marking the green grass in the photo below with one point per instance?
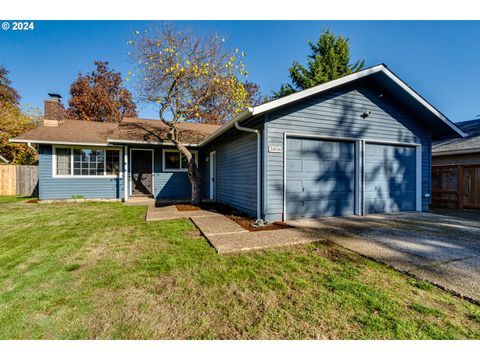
(13, 199)
(98, 271)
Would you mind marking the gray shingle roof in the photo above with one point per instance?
(471, 143)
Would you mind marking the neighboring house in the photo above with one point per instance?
(360, 144)
(456, 169)
(3, 161)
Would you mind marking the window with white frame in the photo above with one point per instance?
(173, 160)
(86, 162)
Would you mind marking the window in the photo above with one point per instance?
(64, 164)
(87, 162)
(173, 160)
(112, 162)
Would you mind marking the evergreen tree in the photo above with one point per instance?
(329, 60)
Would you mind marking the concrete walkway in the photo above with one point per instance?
(226, 236)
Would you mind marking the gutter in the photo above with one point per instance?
(259, 179)
(120, 141)
(456, 152)
(51, 142)
(240, 117)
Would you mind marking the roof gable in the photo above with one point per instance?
(380, 74)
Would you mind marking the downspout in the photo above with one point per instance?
(29, 144)
(259, 178)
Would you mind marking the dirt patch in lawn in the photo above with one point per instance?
(240, 218)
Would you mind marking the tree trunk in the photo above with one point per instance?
(194, 176)
(193, 173)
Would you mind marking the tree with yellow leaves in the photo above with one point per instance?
(13, 122)
(190, 78)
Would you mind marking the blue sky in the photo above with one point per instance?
(439, 59)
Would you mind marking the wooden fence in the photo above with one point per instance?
(18, 180)
(456, 186)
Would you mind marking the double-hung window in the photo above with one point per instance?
(173, 160)
(86, 162)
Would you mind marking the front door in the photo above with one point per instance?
(141, 172)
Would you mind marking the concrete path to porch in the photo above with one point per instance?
(226, 236)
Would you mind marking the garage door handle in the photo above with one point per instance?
(303, 188)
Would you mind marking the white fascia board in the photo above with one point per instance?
(456, 152)
(422, 101)
(119, 141)
(341, 81)
(21, 141)
(315, 90)
(240, 117)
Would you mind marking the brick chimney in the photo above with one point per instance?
(54, 112)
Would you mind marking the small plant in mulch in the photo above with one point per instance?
(240, 218)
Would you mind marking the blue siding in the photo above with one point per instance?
(51, 188)
(169, 185)
(337, 113)
(236, 178)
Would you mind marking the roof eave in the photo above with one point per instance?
(165, 143)
(53, 142)
(240, 117)
(456, 152)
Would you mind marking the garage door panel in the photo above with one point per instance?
(313, 166)
(295, 166)
(324, 183)
(390, 178)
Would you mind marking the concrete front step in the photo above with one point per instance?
(217, 224)
(156, 214)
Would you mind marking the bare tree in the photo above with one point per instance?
(190, 78)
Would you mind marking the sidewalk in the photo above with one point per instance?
(226, 236)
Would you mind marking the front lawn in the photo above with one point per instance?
(98, 270)
(14, 199)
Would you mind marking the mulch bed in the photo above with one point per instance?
(241, 219)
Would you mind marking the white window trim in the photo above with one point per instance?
(71, 176)
(164, 169)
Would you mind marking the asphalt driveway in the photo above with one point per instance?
(442, 249)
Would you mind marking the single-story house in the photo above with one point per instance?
(456, 169)
(359, 144)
